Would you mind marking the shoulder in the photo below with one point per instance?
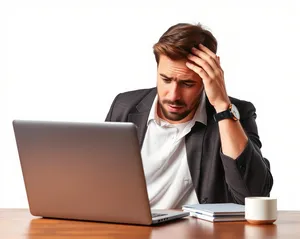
(131, 102)
(135, 95)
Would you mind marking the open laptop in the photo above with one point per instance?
(85, 171)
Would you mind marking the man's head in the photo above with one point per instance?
(178, 87)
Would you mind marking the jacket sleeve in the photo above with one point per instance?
(249, 174)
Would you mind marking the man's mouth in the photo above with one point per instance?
(174, 108)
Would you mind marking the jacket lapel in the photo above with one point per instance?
(140, 117)
(196, 153)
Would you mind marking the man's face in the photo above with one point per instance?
(179, 90)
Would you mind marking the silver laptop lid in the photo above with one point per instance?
(86, 171)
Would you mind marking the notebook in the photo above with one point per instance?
(218, 218)
(216, 209)
(217, 212)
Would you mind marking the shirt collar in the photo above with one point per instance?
(200, 114)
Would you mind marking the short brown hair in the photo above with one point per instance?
(177, 42)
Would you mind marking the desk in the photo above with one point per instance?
(18, 223)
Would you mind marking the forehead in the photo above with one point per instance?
(175, 69)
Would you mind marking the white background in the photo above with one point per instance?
(67, 59)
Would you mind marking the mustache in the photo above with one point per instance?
(178, 103)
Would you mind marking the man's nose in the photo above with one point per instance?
(174, 92)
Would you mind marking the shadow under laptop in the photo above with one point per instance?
(69, 228)
(50, 227)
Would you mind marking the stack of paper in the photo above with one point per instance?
(217, 212)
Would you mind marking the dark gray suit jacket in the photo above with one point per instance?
(216, 177)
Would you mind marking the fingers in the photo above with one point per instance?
(200, 71)
(208, 52)
(210, 57)
(202, 63)
(207, 60)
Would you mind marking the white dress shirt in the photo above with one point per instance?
(168, 178)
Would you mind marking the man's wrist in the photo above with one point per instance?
(222, 107)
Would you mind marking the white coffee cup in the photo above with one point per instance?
(260, 210)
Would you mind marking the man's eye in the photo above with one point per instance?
(166, 80)
(188, 84)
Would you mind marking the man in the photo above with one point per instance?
(198, 144)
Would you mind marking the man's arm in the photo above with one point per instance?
(233, 136)
(248, 174)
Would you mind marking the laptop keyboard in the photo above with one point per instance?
(157, 214)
